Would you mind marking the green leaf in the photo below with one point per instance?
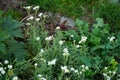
(2, 48)
(17, 49)
(100, 22)
(79, 22)
(98, 47)
(12, 27)
(86, 60)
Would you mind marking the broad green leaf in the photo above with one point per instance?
(2, 48)
(86, 60)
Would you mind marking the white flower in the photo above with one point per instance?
(112, 38)
(57, 28)
(6, 61)
(37, 38)
(108, 78)
(39, 75)
(44, 16)
(28, 24)
(37, 19)
(86, 67)
(35, 64)
(83, 70)
(105, 68)
(65, 52)
(61, 42)
(104, 74)
(49, 38)
(114, 72)
(76, 71)
(41, 51)
(40, 14)
(80, 72)
(83, 66)
(71, 35)
(65, 69)
(43, 78)
(27, 7)
(72, 69)
(10, 66)
(30, 18)
(15, 78)
(36, 7)
(77, 46)
(52, 62)
(3, 72)
(83, 39)
(1, 69)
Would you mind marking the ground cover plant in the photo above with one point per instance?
(30, 51)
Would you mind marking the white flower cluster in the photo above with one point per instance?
(53, 62)
(65, 69)
(15, 78)
(30, 18)
(2, 70)
(83, 39)
(58, 28)
(36, 7)
(106, 76)
(84, 68)
(65, 52)
(61, 42)
(49, 38)
(37, 38)
(41, 77)
(108, 73)
(74, 70)
(111, 39)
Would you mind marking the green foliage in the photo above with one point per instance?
(110, 13)
(9, 30)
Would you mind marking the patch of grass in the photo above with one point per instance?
(111, 14)
(71, 8)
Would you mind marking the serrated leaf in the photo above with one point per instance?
(11, 27)
(17, 49)
(3, 36)
(100, 22)
(2, 48)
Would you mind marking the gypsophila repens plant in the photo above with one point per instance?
(79, 54)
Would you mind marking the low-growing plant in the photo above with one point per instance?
(85, 53)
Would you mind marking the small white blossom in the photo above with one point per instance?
(37, 19)
(27, 7)
(10, 66)
(6, 61)
(30, 18)
(86, 67)
(65, 52)
(49, 38)
(43, 78)
(83, 70)
(39, 75)
(83, 66)
(40, 14)
(114, 72)
(61, 42)
(76, 71)
(104, 74)
(108, 78)
(57, 28)
(3, 71)
(80, 72)
(83, 39)
(53, 62)
(41, 51)
(44, 16)
(112, 38)
(65, 69)
(28, 24)
(35, 64)
(36, 7)
(71, 35)
(37, 38)
(105, 68)
(72, 69)
(77, 46)
(15, 78)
